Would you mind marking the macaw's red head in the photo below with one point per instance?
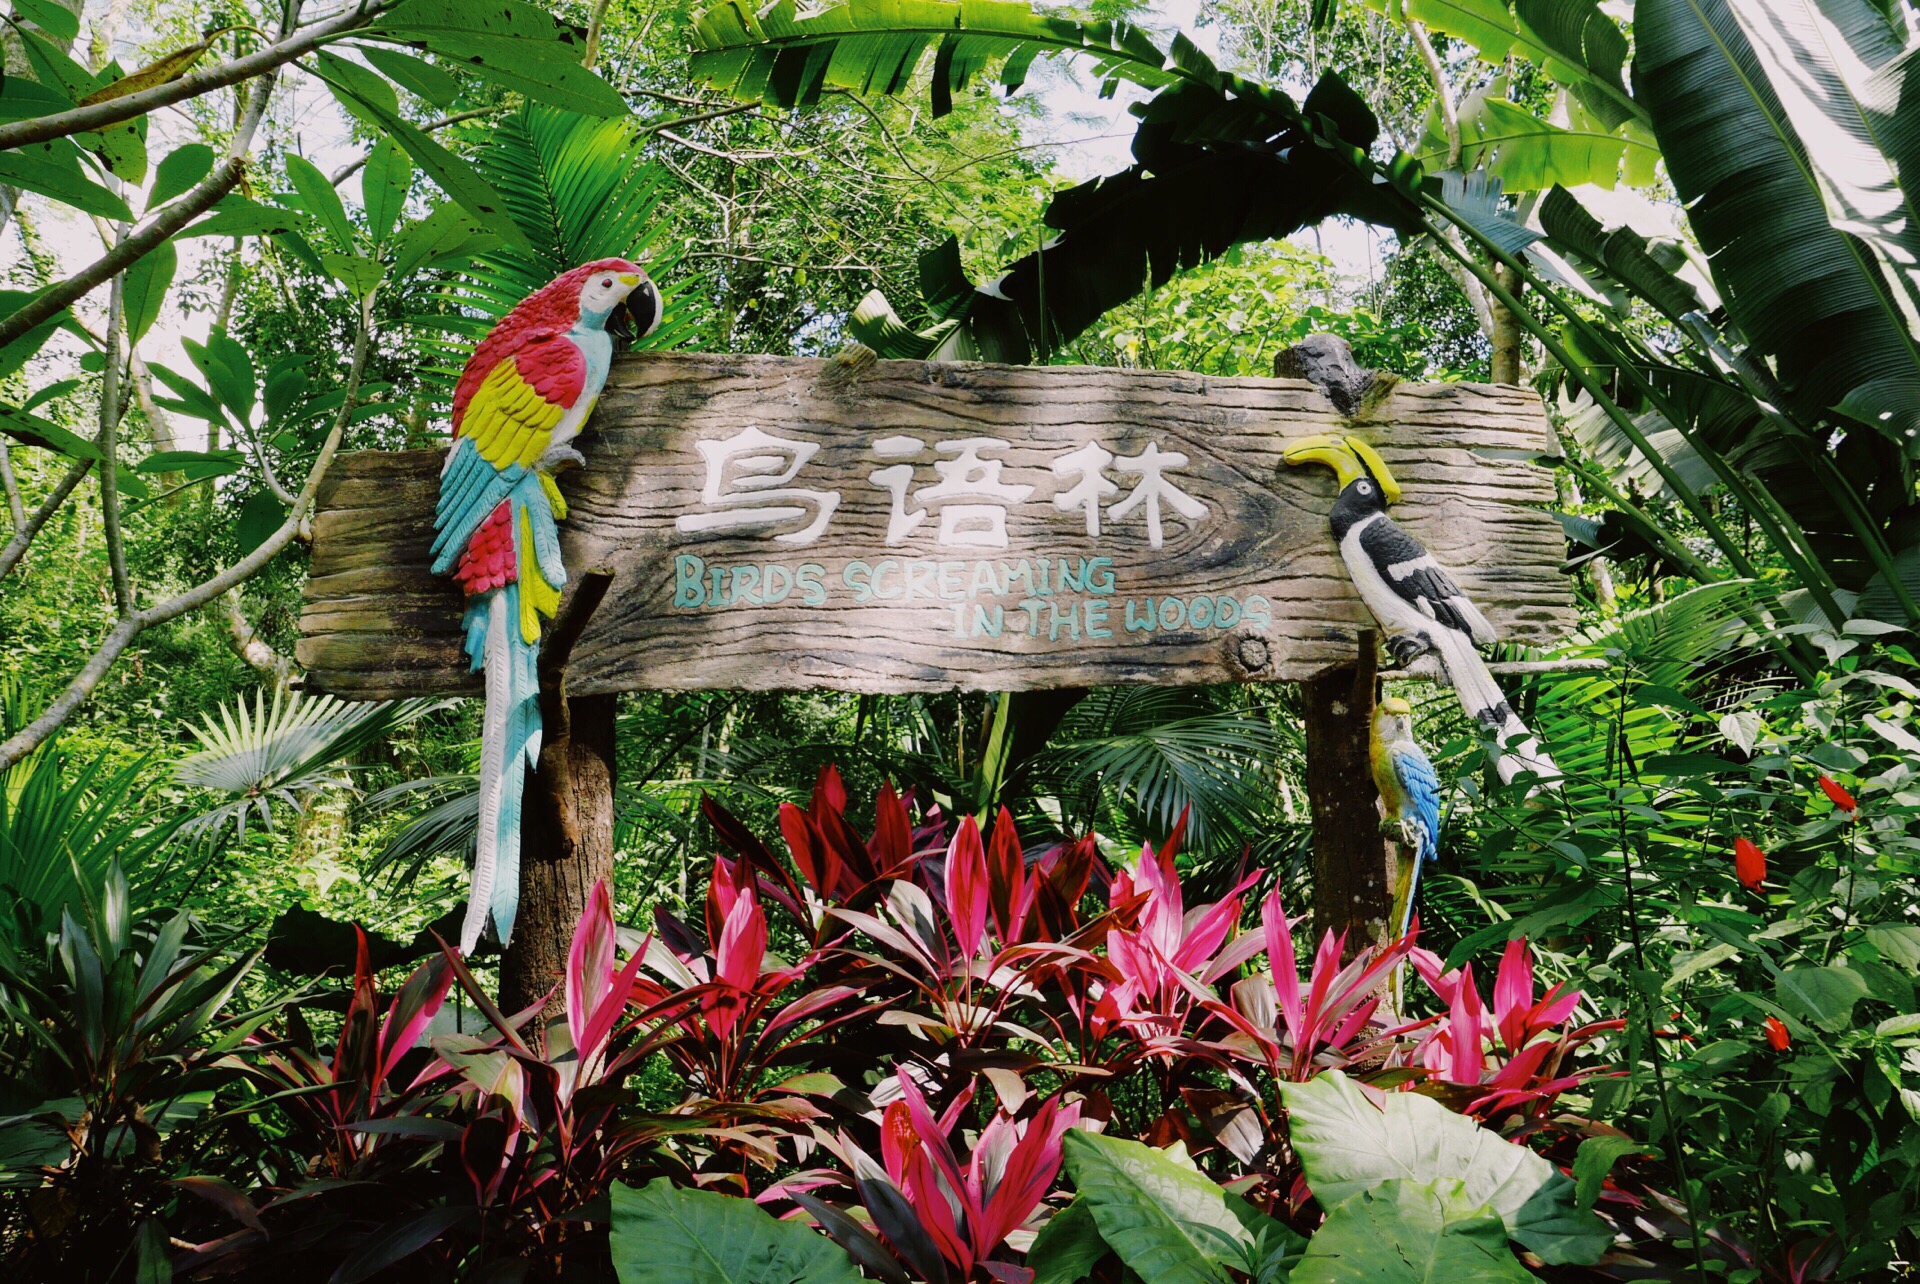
(593, 292)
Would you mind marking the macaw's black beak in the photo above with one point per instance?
(639, 316)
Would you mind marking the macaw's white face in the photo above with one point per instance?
(606, 290)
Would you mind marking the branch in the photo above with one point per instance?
(247, 644)
(48, 304)
(110, 449)
(1442, 92)
(15, 509)
(261, 62)
(36, 732)
(23, 535)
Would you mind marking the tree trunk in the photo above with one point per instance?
(1507, 338)
(1355, 870)
(566, 843)
(566, 820)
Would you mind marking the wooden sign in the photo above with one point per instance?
(782, 524)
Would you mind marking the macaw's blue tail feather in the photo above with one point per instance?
(509, 743)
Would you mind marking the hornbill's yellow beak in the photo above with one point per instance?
(1349, 457)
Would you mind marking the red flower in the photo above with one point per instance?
(1841, 798)
(1777, 1036)
(1749, 864)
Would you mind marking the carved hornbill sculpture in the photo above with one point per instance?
(1417, 603)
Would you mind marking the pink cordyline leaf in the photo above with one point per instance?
(1465, 1026)
(1550, 1011)
(1007, 888)
(412, 1009)
(729, 877)
(1029, 1171)
(1209, 929)
(1433, 971)
(742, 947)
(967, 886)
(590, 961)
(1286, 970)
(891, 846)
(1513, 993)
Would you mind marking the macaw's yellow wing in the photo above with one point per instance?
(510, 419)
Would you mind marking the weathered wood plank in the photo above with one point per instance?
(1249, 589)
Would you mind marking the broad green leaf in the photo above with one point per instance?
(259, 517)
(321, 200)
(122, 148)
(775, 55)
(545, 71)
(238, 216)
(1068, 1246)
(383, 188)
(58, 21)
(415, 75)
(145, 289)
(1839, 72)
(1347, 1144)
(194, 465)
(32, 430)
(33, 169)
(698, 1237)
(1411, 1232)
(21, 350)
(878, 326)
(182, 168)
(1528, 155)
(1898, 943)
(52, 66)
(357, 272)
(1590, 54)
(1811, 300)
(189, 397)
(432, 20)
(1822, 995)
(227, 366)
(1167, 1221)
(371, 100)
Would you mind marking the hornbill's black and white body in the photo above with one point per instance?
(1416, 602)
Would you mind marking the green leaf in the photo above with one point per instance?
(122, 148)
(53, 67)
(1528, 155)
(191, 398)
(1839, 71)
(1068, 1247)
(449, 235)
(432, 20)
(194, 465)
(415, 75)
(145, 289)
(21, 350)
(227, 366)
(1822, 995)
(1411, 1232)
(370, 99)
(259, 517)
(32, 430)
(321, 200)
(58, 21)
(358, 273)
(1898, 943)
(1167, 1221)
(397, 1241)
(698, 1237)
(182, 168)
(1346, 1144)
(238, 216)
(1594, 1160)
(383, 189)
(1589, 54)
(1806, 296)
(774, 55)
(37, 171)
(877, 325)
(547, 72)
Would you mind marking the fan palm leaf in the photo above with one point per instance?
(284, 753)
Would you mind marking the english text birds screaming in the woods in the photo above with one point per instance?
(1413, 597)
(523, 397)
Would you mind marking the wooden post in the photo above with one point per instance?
(1355, 870)
(566, 823)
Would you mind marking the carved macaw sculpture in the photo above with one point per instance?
(1410, 788)
(524, 396)
(1416, 602)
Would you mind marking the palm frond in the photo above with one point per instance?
(285, 752)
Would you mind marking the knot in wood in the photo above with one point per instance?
(1250, 653)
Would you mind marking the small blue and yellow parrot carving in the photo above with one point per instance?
(1410, 787)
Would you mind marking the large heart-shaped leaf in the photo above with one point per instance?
(1167, 1220)
(1410, 1232)
(661, 1232)
(1347, 1144)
